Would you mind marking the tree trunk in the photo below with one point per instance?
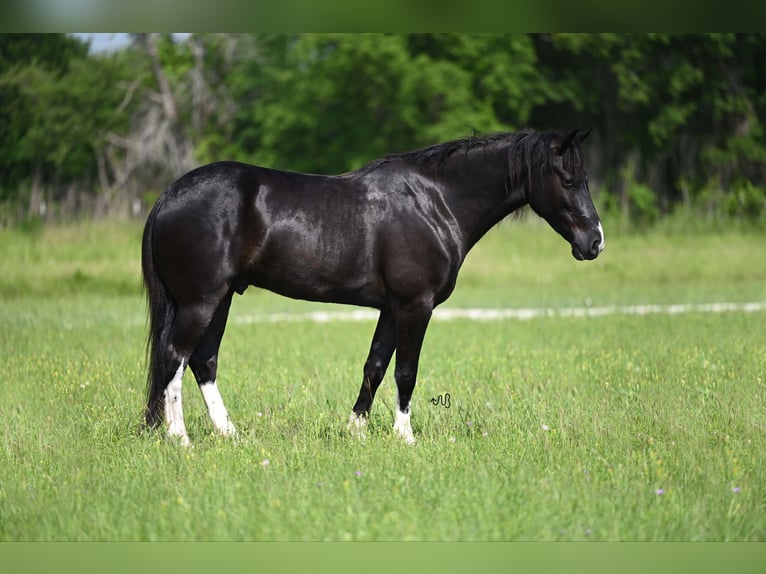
(149, 42)
(37, 204)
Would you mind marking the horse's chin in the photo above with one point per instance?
(577, 254)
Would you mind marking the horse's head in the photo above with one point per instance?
(560, 195)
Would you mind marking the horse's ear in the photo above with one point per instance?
(576, 136)
(582, 135)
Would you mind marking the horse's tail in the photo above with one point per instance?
(161, 308)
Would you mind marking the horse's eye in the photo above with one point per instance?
(567, 181)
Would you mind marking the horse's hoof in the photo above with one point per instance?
(357, 424)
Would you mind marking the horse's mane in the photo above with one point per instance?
(528, 151)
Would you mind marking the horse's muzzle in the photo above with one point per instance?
(590, 246)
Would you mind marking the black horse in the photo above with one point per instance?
(391, 235)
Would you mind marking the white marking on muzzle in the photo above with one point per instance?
(603, 241)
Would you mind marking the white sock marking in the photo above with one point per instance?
(216, 409)
(174, 414)
(402, 425)
(357, 424)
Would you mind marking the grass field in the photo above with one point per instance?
(620, 427)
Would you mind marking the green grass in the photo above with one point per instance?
(609, 428)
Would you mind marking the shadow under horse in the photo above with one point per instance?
(391, 235)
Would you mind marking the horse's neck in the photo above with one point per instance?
(480, 196)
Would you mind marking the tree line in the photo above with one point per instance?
(677, 119)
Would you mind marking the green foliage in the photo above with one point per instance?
(644, 203)
(65, 116)
(684, 112)
(25, 60)
(331, 102)
(746, 201)
(57, 106)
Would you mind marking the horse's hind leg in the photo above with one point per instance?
(204, 364)
(189, 325)
(381, 350)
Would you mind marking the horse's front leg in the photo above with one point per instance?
(411, 324)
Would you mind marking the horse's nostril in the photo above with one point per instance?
(595, 247)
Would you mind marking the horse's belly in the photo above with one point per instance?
(315, 276)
